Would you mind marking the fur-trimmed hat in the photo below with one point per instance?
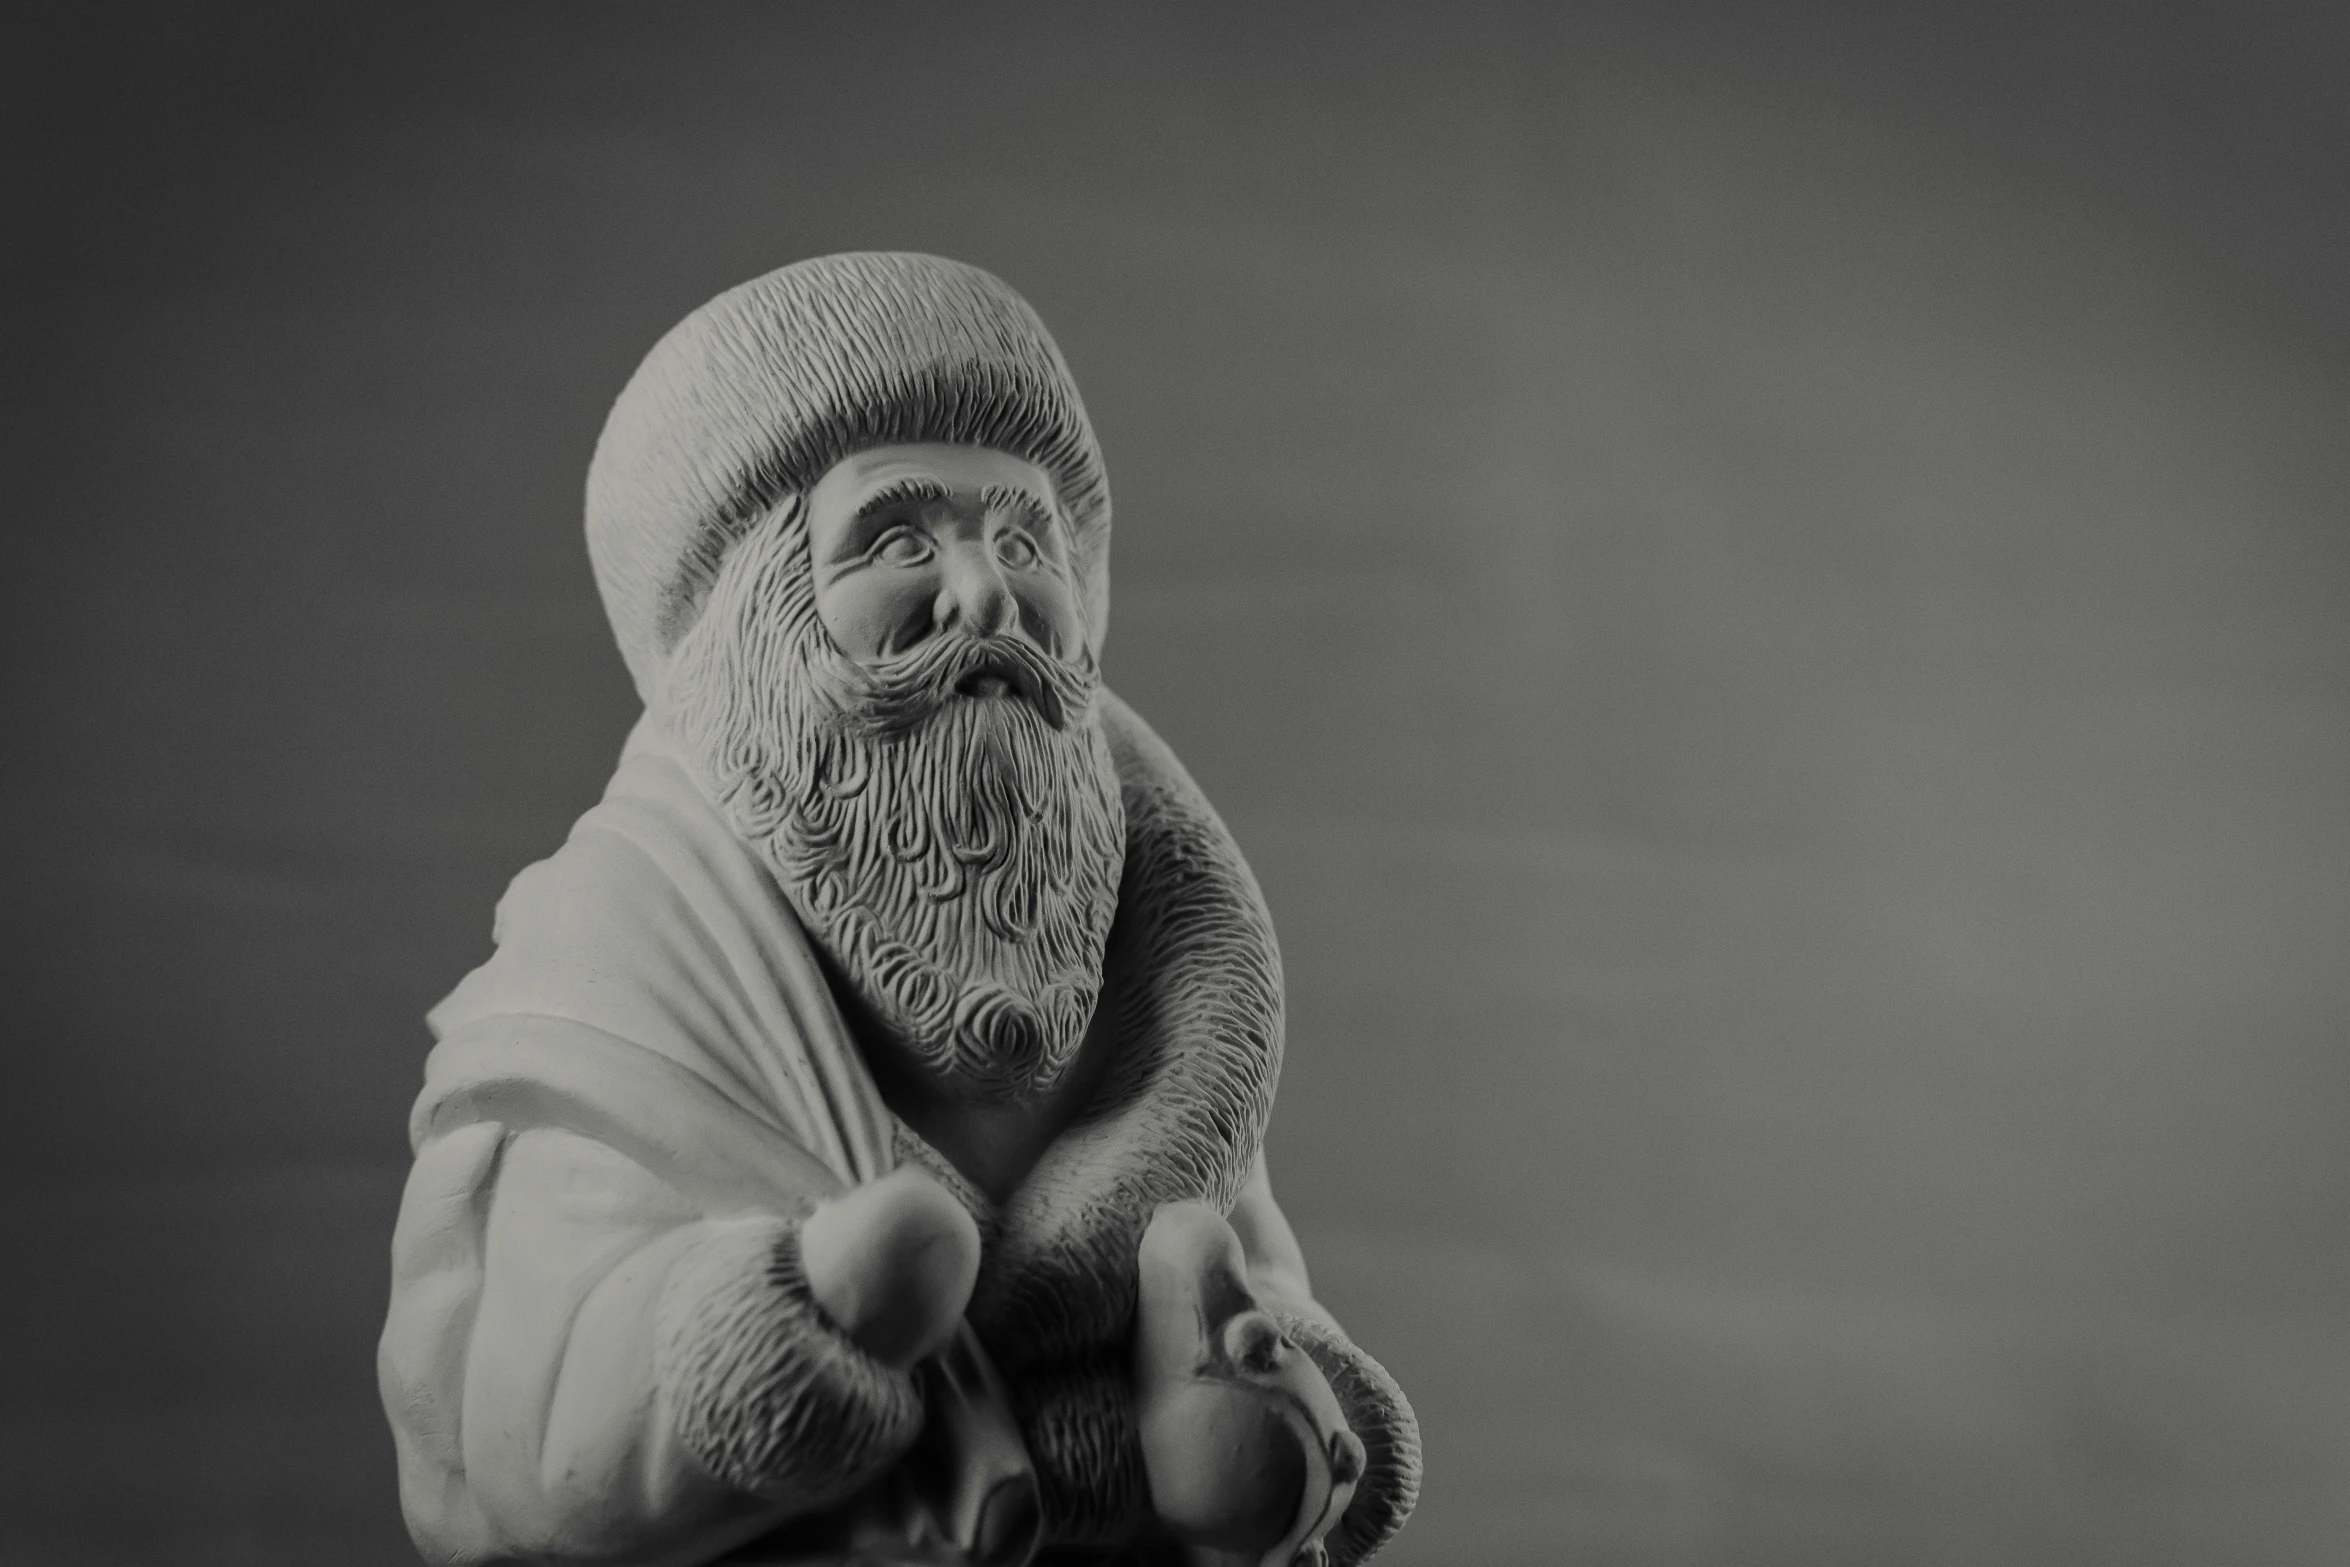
(752, 397)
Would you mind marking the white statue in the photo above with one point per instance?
(852, 1152)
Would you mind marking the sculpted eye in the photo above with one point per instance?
(1015, 549)
(901, 546)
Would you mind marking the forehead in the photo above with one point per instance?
(962, 470)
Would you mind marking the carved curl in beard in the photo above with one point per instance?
(957, 857)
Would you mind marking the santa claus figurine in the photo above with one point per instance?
(852, 1152)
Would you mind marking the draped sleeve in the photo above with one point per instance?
(648, 1071)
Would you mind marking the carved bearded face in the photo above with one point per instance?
(890, 690)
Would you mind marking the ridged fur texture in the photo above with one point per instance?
(764, 1390)
(1194, 974)
(1079, 1424)
(1378, 1413)
(1195, 978)
(753, 396)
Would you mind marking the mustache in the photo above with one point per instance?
(900, 695)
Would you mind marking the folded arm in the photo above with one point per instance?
(628, 1374)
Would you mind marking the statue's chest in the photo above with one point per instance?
(993, 1144)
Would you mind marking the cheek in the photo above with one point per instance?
(870, 614)
(1049, 609)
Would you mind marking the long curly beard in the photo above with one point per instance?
(956, 856)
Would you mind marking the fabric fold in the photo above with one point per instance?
(653, 993)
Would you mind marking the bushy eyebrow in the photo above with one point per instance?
(1034, 515)
(915, 490)
(900, 492)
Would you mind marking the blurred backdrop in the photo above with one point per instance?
(1765, 594)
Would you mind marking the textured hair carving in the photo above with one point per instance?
(1381, 1417)
(753, 396)
(959, 859)
(764, 1390)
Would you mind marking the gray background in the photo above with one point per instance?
(1765, 595)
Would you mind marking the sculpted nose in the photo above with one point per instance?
(972, 596)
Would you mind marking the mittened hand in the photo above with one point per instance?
(1248, 1454)
(891, 1264)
